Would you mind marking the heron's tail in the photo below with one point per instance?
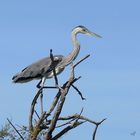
(19, 78)
(15, 78)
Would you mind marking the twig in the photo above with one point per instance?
(33, 108)
(79, 92)
(88, 120)
(22, 128)
(65, 123)
(65, 130)
(70, 120)
(81, 60)
(15, 129)
(95, 131)
(67, 118)
(37, 114)
(49, 87)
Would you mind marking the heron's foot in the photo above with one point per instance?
(39, 84)
(40, 88)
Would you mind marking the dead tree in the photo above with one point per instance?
(49, 120)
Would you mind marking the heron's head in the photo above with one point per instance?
(84, 30)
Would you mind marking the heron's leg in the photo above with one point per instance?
(41, 84)
(41, 101)
(56, 81)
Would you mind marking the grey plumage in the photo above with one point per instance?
(38, 70)
(42, 69)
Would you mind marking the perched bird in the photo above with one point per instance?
(43, 70)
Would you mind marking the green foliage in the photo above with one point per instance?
(4, 131)
(8, 133)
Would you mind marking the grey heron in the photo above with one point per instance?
(42, 69)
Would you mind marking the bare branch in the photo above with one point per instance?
(70, 120)
(79, 92)
(33, 108)
(65, 123)
(15, 129)
(37, 114)
(95, 131)
(67, 118)
(49, 87)
(81, 60)
(65, 130)
(75, 116)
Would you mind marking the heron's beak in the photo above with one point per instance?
(93, 34)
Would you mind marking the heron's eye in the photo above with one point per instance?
(84, 30)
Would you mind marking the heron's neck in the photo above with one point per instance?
(72, 56)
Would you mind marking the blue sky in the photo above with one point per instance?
(110, 77)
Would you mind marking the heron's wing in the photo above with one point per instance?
(36, 70)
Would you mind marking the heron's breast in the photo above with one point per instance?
(58, 70)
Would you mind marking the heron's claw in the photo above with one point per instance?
(38, 85)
